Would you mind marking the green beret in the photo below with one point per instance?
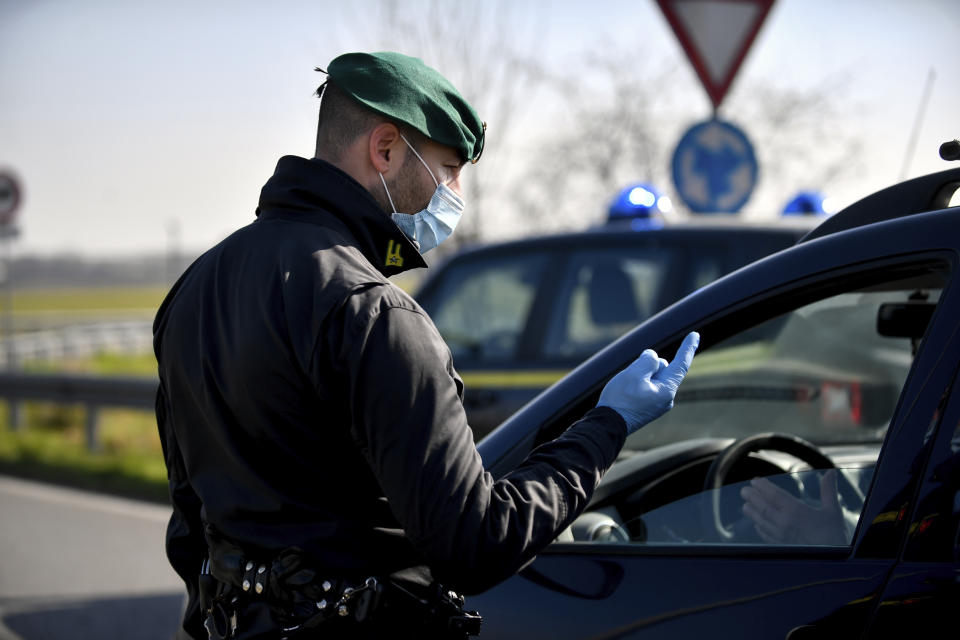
(407, 90)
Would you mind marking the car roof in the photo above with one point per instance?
(702, 227)
(926, 193)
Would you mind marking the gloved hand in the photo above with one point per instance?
(644, 391)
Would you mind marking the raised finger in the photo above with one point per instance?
(677, 369)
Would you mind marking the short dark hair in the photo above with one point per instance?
(343, 119)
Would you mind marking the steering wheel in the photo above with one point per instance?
(736, 452)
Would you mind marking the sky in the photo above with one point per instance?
(136, 126)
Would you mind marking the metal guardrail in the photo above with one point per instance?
(94, 392)
(77, 340)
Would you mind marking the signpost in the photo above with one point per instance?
(714, 166)
(9, 200)
(716, 35)
(9, 204)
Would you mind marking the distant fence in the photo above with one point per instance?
(78, 340)
(93, 392)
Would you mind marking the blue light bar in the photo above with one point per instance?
(808, 203)
(639, 202)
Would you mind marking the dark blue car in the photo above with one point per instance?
(841, 352)
(519, 315)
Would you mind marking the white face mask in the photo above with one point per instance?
(433, 225)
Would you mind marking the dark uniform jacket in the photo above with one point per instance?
(305, 401)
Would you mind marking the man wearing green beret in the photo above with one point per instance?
(324, 479)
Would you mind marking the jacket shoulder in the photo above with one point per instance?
(371, 299)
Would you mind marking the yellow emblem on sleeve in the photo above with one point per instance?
(393, 255)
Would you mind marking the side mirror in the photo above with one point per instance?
(904, 319)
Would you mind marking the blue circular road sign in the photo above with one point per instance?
(714, 167)
(9, 198)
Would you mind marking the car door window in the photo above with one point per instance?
(602, 295)
(482, 306)
(824, 377)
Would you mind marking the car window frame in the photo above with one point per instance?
(585, 383)
(943, 444)
(925, 572)
(773, 301)
(875, 505)
(911, 439)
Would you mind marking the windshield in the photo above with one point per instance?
(829, 372)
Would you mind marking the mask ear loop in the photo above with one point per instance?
(437, 182)
(388, 192)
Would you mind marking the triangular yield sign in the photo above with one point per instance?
(716, 35)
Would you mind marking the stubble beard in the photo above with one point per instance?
(406, 189)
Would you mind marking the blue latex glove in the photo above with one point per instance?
(644, 391)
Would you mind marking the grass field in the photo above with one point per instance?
(141, 301)
(81, 301)
(39, 309)
(51, 443)
(52, 447)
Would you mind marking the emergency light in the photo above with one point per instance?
(641, 204)
(809, 203)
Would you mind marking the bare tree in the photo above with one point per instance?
(625, 117)
(798, 136)
(612, 130)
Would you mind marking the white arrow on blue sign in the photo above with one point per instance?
(714, 167)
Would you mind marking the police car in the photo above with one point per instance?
(839, 353)
(519, 315)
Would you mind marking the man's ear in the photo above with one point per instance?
(384, 147)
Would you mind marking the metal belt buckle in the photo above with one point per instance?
(364, 599)
(467, 622)
(219, 624)
(461, 621)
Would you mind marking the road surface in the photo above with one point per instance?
(79, 565)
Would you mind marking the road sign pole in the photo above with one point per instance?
(9, 204)
(6, 266)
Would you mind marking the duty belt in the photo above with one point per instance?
(296, 598)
